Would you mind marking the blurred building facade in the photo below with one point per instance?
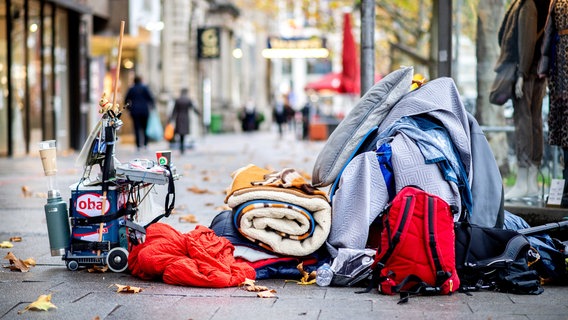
(41, 77)
(58, 57)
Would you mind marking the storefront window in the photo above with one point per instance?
(3, 82)
(18, 77)
(34, 75)
(47, 81)
(61, 97)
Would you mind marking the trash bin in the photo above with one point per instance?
(216, 123)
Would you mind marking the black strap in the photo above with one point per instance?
(396, 237)
(75, 221)
(441, 275)
(378, 266)
(169, 205)
(80, 245)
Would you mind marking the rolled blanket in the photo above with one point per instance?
(279, 211)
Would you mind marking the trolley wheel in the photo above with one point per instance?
(117, 259)
(72, 265)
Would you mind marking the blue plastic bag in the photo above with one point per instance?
(154, 129)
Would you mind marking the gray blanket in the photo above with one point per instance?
(362, 195)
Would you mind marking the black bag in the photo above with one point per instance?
(503, 86)
(495, 259)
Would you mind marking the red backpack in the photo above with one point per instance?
(416, 246)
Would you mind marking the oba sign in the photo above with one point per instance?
(90, 205)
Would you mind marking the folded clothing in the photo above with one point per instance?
(267, 264)
(279, 211)
(198, 258)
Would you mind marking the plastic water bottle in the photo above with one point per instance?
(324, 274)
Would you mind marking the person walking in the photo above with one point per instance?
(280, 115)
(181, 118)
(141, 101)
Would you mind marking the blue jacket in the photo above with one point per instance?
(140, 99)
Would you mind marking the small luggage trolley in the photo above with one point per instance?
(103, 211)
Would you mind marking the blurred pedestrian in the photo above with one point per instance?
(280, 115)
(140, 101)
(306, 116)
(181, 117)
(250, 120)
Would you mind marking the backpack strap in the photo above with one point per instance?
(421, 287)
(512, 250)
(441, 275)
(378, 265)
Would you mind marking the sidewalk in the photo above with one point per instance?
(207, 169)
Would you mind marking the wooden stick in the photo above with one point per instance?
(118, 64)
(115, 89)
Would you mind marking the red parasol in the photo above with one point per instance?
(350, 75)
(349, 80)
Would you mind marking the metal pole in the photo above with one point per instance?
(444, 11)
(367, 45)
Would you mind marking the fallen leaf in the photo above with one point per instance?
(43, 303)
(16, 239)
(6, 244)
(18, 264)
(307, 278)
(188, 218)
(42, 195)
(247, 282)
(249, 285)
(26, 192)
(30, 262)
(98, 269)
(128, 289)
(255, 288)
(267, 294)
(197, 190)
(222, 208)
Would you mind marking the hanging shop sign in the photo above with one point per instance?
(313, 47)
(208, 43)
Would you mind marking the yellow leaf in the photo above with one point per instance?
(30, 262)
(127, 289)
(6, 244)
(43, 303)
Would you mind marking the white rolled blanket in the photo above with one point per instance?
(286, 220)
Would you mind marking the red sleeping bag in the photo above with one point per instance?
(198, 258)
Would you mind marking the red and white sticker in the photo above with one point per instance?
(91, 205)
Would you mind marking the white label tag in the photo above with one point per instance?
(556, 191)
